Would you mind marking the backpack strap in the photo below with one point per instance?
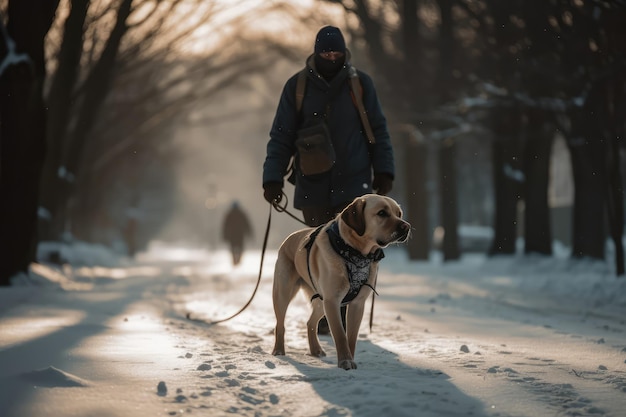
(357, 95)
(356, 90)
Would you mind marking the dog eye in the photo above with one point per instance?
(382, 213)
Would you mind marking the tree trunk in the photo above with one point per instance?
(22, 132)
(60, 102)
(588, 153)
(508, 179)
(97, 87)
(616, 205)
(446, 49)
(22, 153)
(616, 113)
(415, 153)
(538, 147)
(449, 200)
(411, 43)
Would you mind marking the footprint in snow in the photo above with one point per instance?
(232, 382)
(161, 389)
(204, 367)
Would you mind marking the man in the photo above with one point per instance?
(359, 167)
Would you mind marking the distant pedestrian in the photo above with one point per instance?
(235, 228)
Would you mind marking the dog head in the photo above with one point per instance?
(371, 222)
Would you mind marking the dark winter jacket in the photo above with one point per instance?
(351, 176)
(236, 226)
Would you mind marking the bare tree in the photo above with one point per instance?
(538, 63)
(143, 75)
(22, 129)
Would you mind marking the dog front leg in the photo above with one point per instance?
(284, 289)
(311, 329)
(333, 316)
(354, 317)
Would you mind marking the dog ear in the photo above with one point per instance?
(354, 216)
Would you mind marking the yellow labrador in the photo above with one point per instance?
(332, 264)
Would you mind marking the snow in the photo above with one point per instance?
(12, 57)
(102, 335)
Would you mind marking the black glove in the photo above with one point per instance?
(382, 183)
(273, 192)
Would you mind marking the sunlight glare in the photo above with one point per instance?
(162, 251)
(221, 21)
(117, 273)
(139, 334)
(52, 275)
(17, 330)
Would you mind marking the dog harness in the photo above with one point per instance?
(357, 265)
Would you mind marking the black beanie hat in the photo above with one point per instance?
(328, 39)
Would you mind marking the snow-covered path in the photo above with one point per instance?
(477, 337)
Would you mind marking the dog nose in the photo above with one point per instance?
(404, 226)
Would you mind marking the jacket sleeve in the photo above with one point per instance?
(382, 151)
(280, 147)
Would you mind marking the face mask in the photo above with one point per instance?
(328, 69)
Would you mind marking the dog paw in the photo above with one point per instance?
(318, 353)
(347, 364)
(278, 352)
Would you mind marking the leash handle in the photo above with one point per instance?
(283, 208)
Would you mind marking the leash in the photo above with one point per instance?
(372, 311)
(279, 209)
(256, 287)
(283, 209)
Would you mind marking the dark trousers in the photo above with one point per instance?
(236, 250)
(313, 217)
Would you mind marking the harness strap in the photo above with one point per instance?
(308, 247)
(316, 295)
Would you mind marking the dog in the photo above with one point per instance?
(336, 264)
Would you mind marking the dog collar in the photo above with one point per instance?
(357, 264)
(347, 252)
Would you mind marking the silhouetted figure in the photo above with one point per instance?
(235, 229)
